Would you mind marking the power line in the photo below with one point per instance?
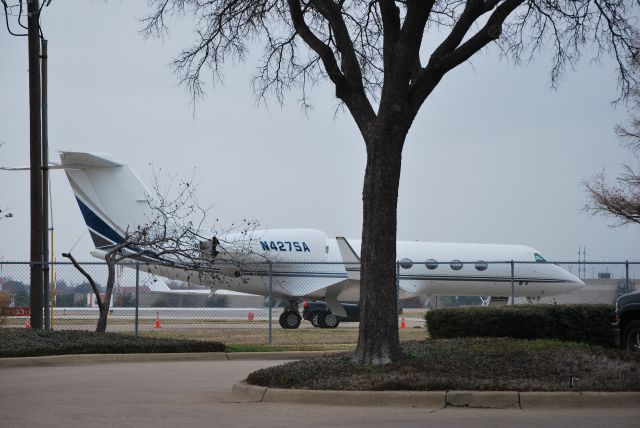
(6, 18)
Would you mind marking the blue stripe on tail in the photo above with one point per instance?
(97, 224)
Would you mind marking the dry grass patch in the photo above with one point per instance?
(297, 338)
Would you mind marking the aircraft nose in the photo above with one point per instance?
(574, 282)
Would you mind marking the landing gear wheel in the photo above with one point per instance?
(328, 320)
(315, 319)
(632, 336)
(290, 320)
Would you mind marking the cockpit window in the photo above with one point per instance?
(539, 258)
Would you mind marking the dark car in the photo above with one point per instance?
(319, 315)
(626, 328)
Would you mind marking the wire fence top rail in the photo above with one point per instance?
(293, 262)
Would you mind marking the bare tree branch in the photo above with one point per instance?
(5, 213)
(94, 286)
(621, 200)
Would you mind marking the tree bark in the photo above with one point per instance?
(101, 327)
(378, 341)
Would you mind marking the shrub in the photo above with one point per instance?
(29, 343)
(578, 323)
(465, 364)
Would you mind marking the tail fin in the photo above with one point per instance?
(350, 258)
(112, 198)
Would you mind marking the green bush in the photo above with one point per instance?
(578, 323)
(31, 343)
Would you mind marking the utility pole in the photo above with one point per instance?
(35, 141)
(45, 191)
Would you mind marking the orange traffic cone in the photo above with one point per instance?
(27, 323)
(403, 324)
(158, 320)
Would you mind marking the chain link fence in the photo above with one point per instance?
(147, 304)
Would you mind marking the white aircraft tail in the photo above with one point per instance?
(351, 259)
(112, 198)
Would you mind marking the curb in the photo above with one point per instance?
(439, 399)
(244, 392)
(285, 355)
(86, 359)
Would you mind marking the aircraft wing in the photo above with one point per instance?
(332, 296)
(346, 290)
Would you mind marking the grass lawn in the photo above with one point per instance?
(31, 343)
(299, 339)
(18, 342)
(468, 364)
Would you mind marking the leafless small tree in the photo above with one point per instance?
(620, 200)
(172, 237)
(383, 68)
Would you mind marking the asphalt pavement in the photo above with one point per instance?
(198, 394)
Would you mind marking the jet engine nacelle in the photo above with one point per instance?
(208, 248)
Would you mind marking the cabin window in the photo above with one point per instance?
(431, 264)
(456, 265)
(406, 263)
(539, 258)
(481, 265)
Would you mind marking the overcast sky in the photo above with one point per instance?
(495, 155)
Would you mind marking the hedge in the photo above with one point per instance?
(31, 343)
(578, 323)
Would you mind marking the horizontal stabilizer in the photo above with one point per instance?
(83, 160)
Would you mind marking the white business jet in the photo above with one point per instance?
(291, 264)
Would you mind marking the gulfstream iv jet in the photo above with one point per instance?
(287, 263)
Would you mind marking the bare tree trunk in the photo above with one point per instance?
(378, 341)
(102, 319)
(111, 279)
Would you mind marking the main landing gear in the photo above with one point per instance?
(324, 319)
(290, 318)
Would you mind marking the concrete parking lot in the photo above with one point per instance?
(198, 394)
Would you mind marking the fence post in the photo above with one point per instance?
(270, 303)
(137, 294)
(397, 289)
(627, 285)
(45, 285)
(513, 284)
